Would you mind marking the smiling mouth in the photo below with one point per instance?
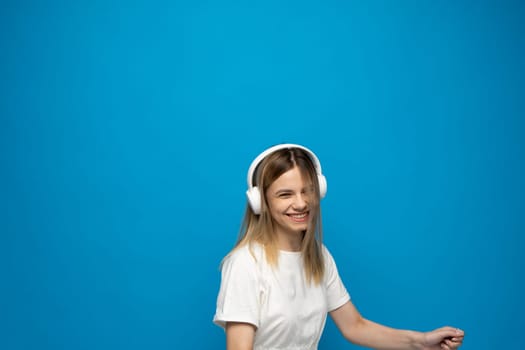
(300, 217)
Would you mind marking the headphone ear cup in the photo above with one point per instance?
(254, 199)
(322, 185)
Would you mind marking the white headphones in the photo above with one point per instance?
(253, 193)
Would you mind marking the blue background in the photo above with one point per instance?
(127, 129)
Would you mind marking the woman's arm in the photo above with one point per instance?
(361, 331)
(239, 336)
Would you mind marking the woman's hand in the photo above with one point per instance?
(446, 338)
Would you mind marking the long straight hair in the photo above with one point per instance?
(260, 228)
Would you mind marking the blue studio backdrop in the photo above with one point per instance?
(127, 128)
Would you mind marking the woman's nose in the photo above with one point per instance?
(300, 201)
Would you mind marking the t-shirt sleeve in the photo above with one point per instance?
(238, 299)
(336, 293)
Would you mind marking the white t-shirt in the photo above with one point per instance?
(289, 312)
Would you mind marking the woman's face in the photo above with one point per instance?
(289, 198)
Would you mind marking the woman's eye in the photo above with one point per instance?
(284, 195)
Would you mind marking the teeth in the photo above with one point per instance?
(298, 216)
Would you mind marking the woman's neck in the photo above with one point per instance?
(289, 242)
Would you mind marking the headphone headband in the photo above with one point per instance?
(275, 148)
(253, 192)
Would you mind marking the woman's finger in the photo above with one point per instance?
(445, 346)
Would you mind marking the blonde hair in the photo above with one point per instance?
(260, 228)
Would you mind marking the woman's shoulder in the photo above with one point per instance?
(327, 255)
(248, 254)
(325, 250)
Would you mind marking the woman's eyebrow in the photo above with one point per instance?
(283, 190)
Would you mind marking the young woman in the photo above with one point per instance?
(279, 282)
